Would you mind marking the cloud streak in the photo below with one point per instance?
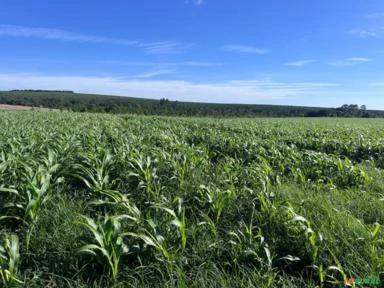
(364, 33)
(245, 49)
(221, 92)
(161, 47)
(164, 47)
(155, 73)
(374, 28)
(299, 63)
(359, 59)
(197, 64)
(57, 34)
(350, 61)
(375, 16)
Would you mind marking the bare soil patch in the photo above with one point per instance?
(6, 107)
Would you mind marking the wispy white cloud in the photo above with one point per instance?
(299, 63)
(57, 34)
(195, 2)
(358, 59)
(350, 61)
(379, 15)
(113, 62)
(156, 73)
(364, 33)
(222, 92)
(164, 68)
(161, 47)
(200, 64)
(164, 47)
(373, 28)
(245, 49)
(163, 64)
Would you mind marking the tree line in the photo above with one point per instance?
(69, 100)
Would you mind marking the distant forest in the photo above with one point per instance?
(69, 100)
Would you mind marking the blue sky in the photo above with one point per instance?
(295, 52)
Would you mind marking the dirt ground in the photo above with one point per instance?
(6, 107)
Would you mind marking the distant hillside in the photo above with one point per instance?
(68, 100)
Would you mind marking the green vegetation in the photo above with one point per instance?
(68, 100)
(101, 200)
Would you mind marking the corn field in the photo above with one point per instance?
(89, 200)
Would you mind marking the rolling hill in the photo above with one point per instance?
(69, 100)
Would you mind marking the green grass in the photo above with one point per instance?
(96, 200)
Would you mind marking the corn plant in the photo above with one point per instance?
(26, 203)
(313, 239)
(178, 221)
(108, 241)
(249, 243)
(145, 172)
(311, 236)
(151, 238)
(9, 260)
(181, 197)
(216, 199)
(376, 245)
(95, 172)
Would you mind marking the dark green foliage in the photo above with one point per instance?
(68, 100)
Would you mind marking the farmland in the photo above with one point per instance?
(100, 200)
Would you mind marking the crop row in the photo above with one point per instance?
(171, 192)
